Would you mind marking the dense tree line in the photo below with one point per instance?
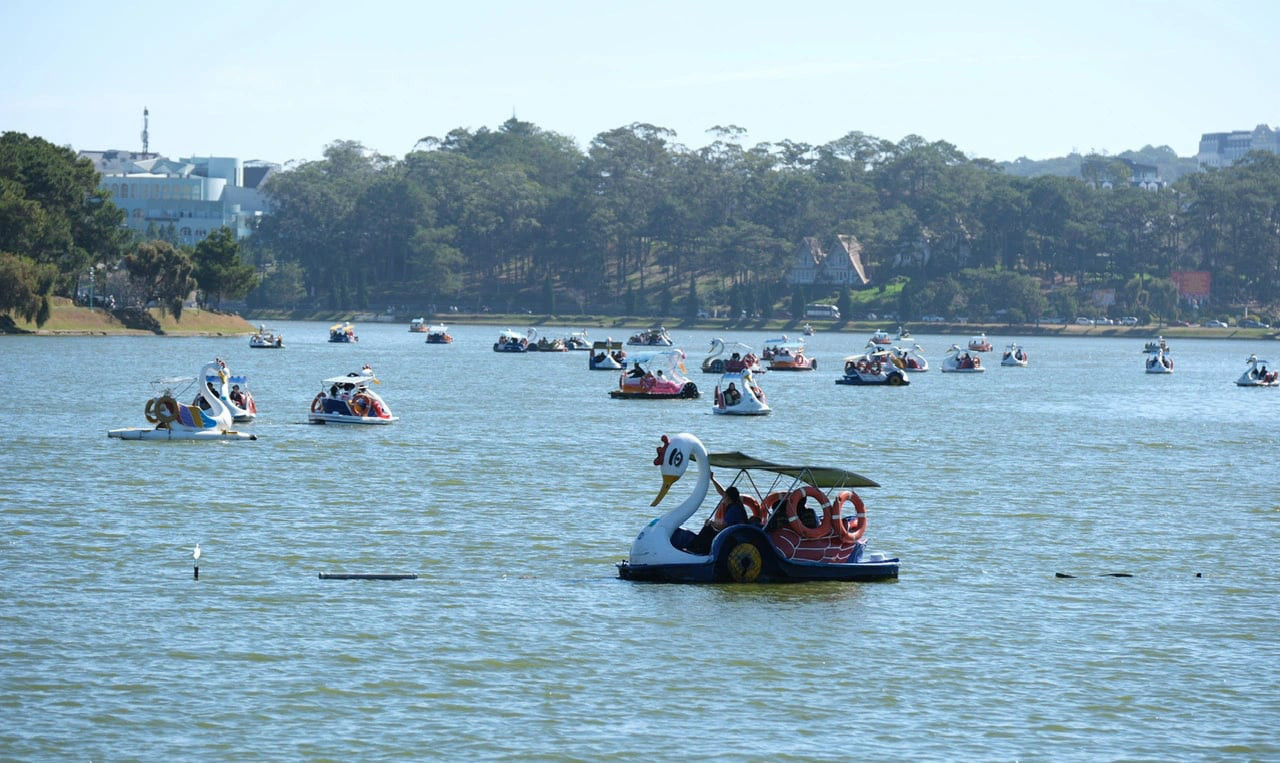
(57, 225)
(520, 217)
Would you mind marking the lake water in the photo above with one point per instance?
(512, 485)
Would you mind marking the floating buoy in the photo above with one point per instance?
(368, 576)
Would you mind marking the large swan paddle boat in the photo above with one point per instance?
(656, 336)
(741, 357)
(211, 419)
(903, 335)
(546, 343)
(1014, 355)
(657, 375)
(349, 400)
(881, 337)
(980, 343)
(790, 356)
(784, 540)
(234, 393)
(738, 394)
(510, 341)
(873, 368)
(266, 339)
(909, 359)
(343, 333)
(960, 361)
(439, 334)
(577, 341)
(1159, 362)
(418, 326)
(607, 355)
(1257, 375)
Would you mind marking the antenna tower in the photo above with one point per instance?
(145, 136)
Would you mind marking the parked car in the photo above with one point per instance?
(1214, 325)
(934, 319)
(1129, 320)
(1250, 323)
(1083, 321)
(1180, 323)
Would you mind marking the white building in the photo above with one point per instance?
(195, 196)
(1222, 149)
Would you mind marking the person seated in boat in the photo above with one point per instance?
(734, 363)
(636, 371)
(732, 396)
(237, 396)
(735, 513)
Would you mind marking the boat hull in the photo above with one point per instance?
(219, 435)
(618, 394)
(339, 418)
(891, 380)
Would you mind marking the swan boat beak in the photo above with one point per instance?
(667, 481)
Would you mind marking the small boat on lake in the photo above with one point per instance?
(607, 355)
(980, 343)
(235, 394)
(881, 337)
(782, 540)
(1014, 355)
(209, 419)
(546, 343)
(266, 339)
(737, 394)
(350, 400)
(1156, 345)
(343, 333)
(417, 326)
(960, 361)
(790, 356)
(903, 335)
(510, 341)
(807, 329)
(439, 334)
(577, 341)
(656, 336)
(873, 368)
(1258, 375)
(741, 356)
(1159, 362)
(657, 375)
(909, 359)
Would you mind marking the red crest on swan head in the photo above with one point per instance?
(662, 451)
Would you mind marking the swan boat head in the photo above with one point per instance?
(653, 545)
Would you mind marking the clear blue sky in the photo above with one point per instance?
(279, 81)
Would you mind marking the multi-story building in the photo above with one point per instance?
(1222, 149)
(192, 197)
(1098, 172)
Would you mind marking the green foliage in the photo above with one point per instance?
(218, 270)
(25, 286)
(163, 273)
(281, 287)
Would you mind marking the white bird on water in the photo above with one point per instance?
(195, 552)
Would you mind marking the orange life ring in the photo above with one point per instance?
(360, 404)
(793, 519)
(150, 411)
(857, 525)
(875, 368)
(717, 517)
(165, 410)
(317, 402)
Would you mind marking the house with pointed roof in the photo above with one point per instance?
(811, 264)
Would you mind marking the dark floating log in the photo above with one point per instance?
(368, 576)
(1100, 574)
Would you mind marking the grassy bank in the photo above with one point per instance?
(69, 319)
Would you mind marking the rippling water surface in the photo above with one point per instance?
(512, 485)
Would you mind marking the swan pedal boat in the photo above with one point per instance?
(655, 375)
(776, 545)
(355, 402)
(577, 341)
(242, 406)
(910, 360)
(1159, 362)
(651, 337)
(1014, 356)
(1156, 345)
(960, 361)
(903, 335)
(266, 339)
(737, 394)
(343, 333)
(606, 355)
(1257, 375)
(175, 421)
(743, 357)
(439, 334)
(980, 343)
(510, 341)
(874, 368)
(807, 330)
(545, 344)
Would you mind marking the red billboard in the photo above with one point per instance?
(1192, 283)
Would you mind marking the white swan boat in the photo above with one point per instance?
(1257, 374)
(903, 335)
(737, 394)
(807, 329)
(1014, 355)
(741, 357)
(235, 394)
(873, 368)
(510, 341)
(210, 420)
(782, 541)
(439, 334)
(1155, 345)
(1159, 362)
(349, 400)
(546, 343)
(606, 355)
(656, 336)
(959, 361)
(910, 359)
(266, 339)
(577, 341)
